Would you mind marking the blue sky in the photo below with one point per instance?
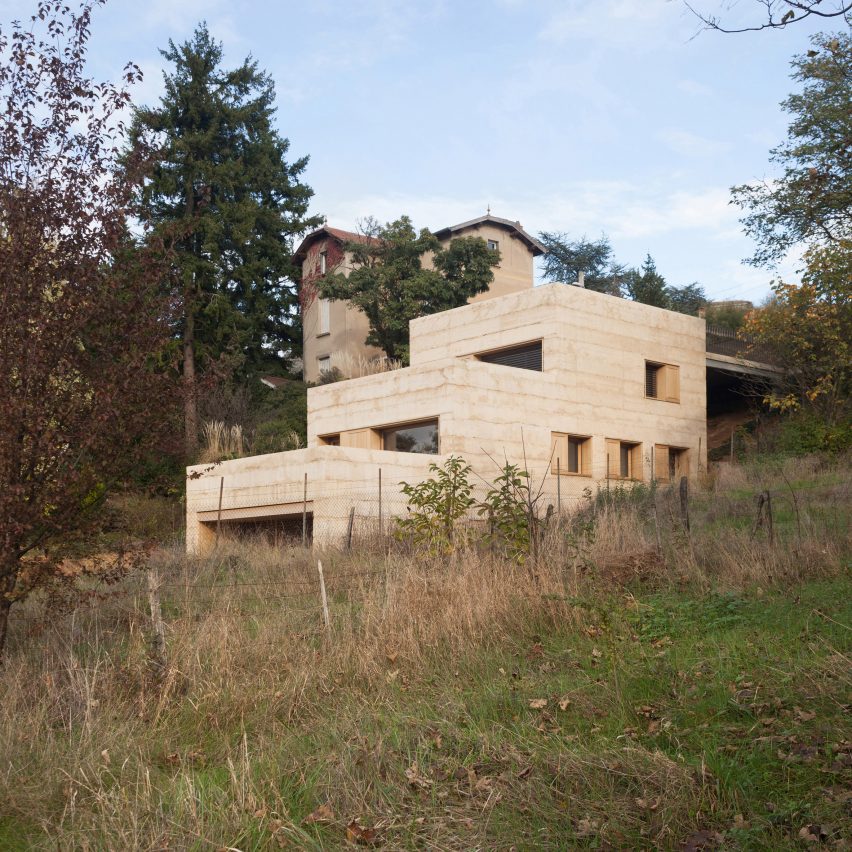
(584, 116)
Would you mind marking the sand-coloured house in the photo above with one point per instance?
(581, 388)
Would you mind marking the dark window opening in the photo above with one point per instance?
(414, 438)
(651, 372)
(525, 357)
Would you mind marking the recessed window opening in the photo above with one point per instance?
(420, 437)
(493, 245)
(324, 316)
(324, 364)
(662, 381)
(526, 356)
(323, 262)
(570, 454)
(624, 459)
(670, 463)
(329, 440)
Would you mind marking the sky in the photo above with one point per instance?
(580, 116)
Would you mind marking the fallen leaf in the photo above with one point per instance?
(648, 804)
(357, 833)
(587, 827)
(391, 656)
(416, 779)
(538, 703)
(564, 703)
(323, 813)
(804, 715)
(596, 653)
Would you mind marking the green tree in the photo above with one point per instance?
(687, 299)
(565, 259)
(224, 192)
(811, 200)
(646, 285)
(390, 285)
(807, 329)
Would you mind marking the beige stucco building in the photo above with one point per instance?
(335, 332)
(582, 388)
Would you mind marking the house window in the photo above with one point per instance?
(329, 440)
(324, 317)
(324, 364)
(623, 459)
(570, 454)
(670, 463)
(525, 357)
(493, 245)
(412, 437)
(323, 262)
(662, 381)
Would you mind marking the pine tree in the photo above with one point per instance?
(648, 286)
(225, 195)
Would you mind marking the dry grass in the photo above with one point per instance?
(221, 442)
(416, 713)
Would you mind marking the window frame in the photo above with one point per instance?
(487, 354)
(323, 261)
(561, 441)
(635, 460)
(324, 319)
(320, 368)
(663, 462)
(383, 432)
(666, 381)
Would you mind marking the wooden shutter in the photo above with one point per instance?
(526, 357)
(637, 463)
(672, 383)
(661, 462)
(613, 452)
(586, 457)
(558, 450)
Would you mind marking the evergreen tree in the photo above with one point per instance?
(224, 194)
(648, 286)
(687, 299)
(565, 259)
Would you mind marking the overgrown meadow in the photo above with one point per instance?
(636, 685)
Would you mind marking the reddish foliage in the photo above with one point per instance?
(308, 290)
(82, 320)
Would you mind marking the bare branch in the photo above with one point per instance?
(779, 14)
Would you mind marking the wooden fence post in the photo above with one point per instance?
(684, 502)
(219, 513)
(349, 531)
(558, 487)
(157, 617)
(305, 512)
(381, 529)
(325, 614)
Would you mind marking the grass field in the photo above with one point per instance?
(617, 695)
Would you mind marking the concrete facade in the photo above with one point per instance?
(624, 382)
(340, 333)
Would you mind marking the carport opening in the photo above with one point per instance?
(277, 532)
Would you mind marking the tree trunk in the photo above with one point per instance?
(7, 584)
(190, 387)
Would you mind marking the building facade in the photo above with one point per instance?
(578, 387)
(335, 332)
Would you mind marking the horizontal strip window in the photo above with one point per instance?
(412, 438)
(524, 357)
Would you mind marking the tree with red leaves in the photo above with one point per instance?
(81, 316)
